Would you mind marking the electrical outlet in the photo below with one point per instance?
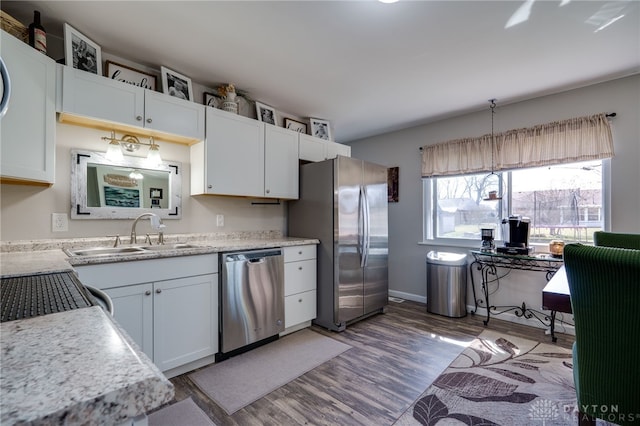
(220, 220)
(59, 222)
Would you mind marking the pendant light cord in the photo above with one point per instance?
(492, 104)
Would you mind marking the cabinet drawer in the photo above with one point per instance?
(299, 276)
(295, 253)
(299, 308)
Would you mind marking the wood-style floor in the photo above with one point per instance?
(394, 358)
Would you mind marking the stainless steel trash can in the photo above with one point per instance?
(447, 284)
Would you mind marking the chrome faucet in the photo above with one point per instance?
(156, 223)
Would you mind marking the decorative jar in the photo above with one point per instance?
(230, 106)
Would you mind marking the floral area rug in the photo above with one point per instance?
(500, 380)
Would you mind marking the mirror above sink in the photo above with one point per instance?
(123, 189)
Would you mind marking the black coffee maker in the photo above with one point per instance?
(518, 242)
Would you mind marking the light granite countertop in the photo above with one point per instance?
(75, 367)
(45, 256)
(79, 366)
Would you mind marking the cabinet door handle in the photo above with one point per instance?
(299, 268)
(209, 186)
(139, 118)
(147, 293)
(267, 191)
(149, 120)
(299, 300)
(300, 252)
(159, 290)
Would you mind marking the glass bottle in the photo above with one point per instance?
(37, 34)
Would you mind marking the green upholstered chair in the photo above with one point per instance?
(605, 294)
(614, 239)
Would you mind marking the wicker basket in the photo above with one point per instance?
(14, 27)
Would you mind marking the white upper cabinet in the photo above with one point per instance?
(92, 100)
(169, 114)
(280, 162)
(244, 157)
(312, 148)
(334, 149)
(28, 128)
(89, 95)
(231, 159)
(316, 149)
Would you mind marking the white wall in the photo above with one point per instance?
(25, 211)
(407, 259)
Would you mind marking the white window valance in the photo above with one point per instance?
(558, 142)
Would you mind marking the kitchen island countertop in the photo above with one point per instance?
(75, 367)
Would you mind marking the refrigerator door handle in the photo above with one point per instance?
(367, 227)
(361, 226)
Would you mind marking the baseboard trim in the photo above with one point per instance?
(408, 296)
(173, 372)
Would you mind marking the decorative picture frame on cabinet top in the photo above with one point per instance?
(265, 113)
(126, 74)
(80, 52)
(321, 129)
(296, 126)
(175, 84)
(212, 99)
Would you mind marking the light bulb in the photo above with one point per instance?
(114, 152)
(153, 157)
(135, 174)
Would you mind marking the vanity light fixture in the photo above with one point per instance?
(131, 143)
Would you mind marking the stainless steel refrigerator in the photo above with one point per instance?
(343, 203)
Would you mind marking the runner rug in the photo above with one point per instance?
(238, 381)
(181, 413)
(500, 380)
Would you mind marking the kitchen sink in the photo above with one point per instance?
(101, 251)
(110, 251)
(170, 247)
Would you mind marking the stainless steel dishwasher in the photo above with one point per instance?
(251, 298)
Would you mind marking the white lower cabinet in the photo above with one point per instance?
(168, 306)
(300, 278)
(133, 310)
(184, 314)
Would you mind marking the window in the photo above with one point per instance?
(562, 201)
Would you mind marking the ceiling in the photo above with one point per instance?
(367, 67)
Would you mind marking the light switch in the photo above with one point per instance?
(219, 220)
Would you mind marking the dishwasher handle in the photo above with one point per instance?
(250, 255)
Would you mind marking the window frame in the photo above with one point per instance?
(429, 214)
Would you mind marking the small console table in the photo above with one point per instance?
(489, 262)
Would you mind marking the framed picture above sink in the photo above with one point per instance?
(104, 189)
